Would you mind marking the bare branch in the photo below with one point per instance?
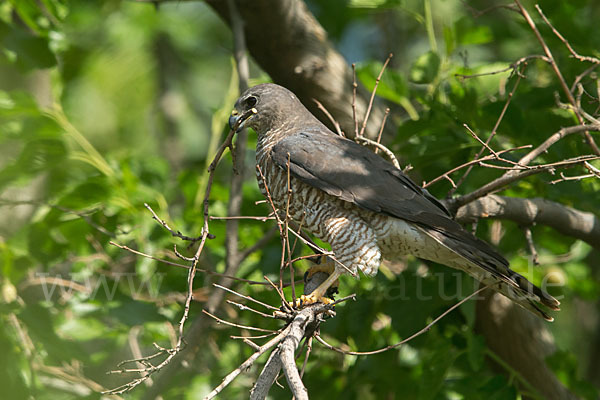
(321, 107)
(287, 348)
(370, 106)
(565, 41)
(492, 134)
(526, 212)
(222, 321)
(408, 339)
(245, 297)
(246, 364)
(511, 176)
(446, 176)
(542, 148)
(558, 74)
(529, 237)
(267, 377)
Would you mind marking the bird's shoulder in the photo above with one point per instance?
(346, 169)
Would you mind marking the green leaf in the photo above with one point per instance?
(392, 85)
(31, 51)
(426, 68)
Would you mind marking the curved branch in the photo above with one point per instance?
(566, 220)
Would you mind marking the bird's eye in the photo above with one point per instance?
(251, 101)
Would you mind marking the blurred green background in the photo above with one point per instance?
(107, 105)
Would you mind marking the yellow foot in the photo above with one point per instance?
(307, 300)
(325, 265)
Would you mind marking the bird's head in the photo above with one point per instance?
(268, 107)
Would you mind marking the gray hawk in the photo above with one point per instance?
(362, 205)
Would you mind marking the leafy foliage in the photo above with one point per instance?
(107, 106)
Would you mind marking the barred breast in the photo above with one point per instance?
(351, 238)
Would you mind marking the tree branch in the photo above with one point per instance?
(295, 52)
(566, 220)
(267, 377)
(287, 349)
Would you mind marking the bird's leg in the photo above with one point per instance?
(325, 265)
(319, 295)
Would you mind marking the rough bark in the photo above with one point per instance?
(286, 40)
(526, 212)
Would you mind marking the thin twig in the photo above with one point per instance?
(336, 124)
(558, 73)
(393, 346)
(446, 174)
(368, 112)
(270, 307)
(512, 176)
(381, 147)
(354, 87)
(172, 231)
(565, 41)
(222, 321)
(385, 116)
(208, 272)
(529, 238)
(492, 134)
(514, 67)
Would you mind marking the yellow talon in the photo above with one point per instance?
(307, 300)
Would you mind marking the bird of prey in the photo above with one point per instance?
(359, 203)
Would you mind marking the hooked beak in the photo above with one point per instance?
(233, 119)
(237, 120)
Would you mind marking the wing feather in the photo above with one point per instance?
(350, 172)
(347, 170)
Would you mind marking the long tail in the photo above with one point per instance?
(480, 260)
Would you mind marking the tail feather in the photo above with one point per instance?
(526, 294)
(490, 268)
(544, 298)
